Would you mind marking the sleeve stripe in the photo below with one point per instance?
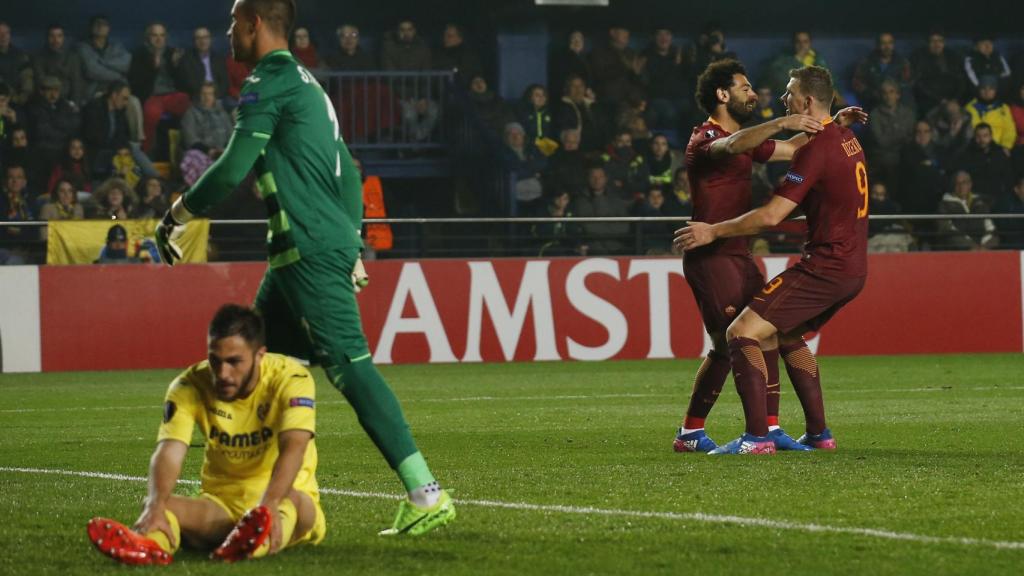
(253, 133)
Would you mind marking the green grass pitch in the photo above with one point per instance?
(567, 468)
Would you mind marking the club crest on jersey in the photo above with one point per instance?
(710, 134)
(794, 177)
(261, 411)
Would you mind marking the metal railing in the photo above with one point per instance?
(388, 110)
(244, 240)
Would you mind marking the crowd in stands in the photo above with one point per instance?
(93, 130)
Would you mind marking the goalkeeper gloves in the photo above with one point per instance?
(359, 277)
(169, 231)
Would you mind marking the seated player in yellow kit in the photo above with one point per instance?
(259, 492)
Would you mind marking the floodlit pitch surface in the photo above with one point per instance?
(567, 468)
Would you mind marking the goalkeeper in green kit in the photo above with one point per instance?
(288, 129)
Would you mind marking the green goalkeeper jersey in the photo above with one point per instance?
(305, 174)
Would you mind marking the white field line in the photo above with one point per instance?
(831, 392)
(744, 521)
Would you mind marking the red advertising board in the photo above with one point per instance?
(121, 317)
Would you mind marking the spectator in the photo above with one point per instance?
(766, 108)
(802, 54)
(104, 61)
(1017, 112)
(536, 118)
(886, 235)
(632, 119)
(659, 162)
(457, 56)
(988, 163)
(709, 47)
(575, 113)
(14, 207)
(960, 234)
(883, 63)
(304, 49)
(625, 168)
(664, 73)
(350, 57)
(105, 126)
(15, 67)
(523, 160)
(419, 118)
(678, 201)
(567, 167)
(206, 123)
(113, 200)
(153, 198)
(989, 109)
(156, 79)
(123, 166)
(952, 129)
(616, 67)
(53, 121)
(571, 61)
(73, 168)
(115, 251)
(556, 238)
(657, 236)
(201, 64)
(985, 61)
(8, 118)
(404, 50)
(63, 204)
(1011, 231)
(939, 73)
(57, 60)
(17, 152)
(891, 128)
(920, 177)
(599, 238)
(489, 107)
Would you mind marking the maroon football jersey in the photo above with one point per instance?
(720, 187)
(829, 180)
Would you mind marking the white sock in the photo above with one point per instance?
(426, 496)
(688, 430)
(773, 428)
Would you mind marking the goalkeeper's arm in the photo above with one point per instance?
(223, 177)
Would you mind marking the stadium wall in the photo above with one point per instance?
(130, 317)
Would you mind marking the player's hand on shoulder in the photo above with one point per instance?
(851, 115)
(801, 123)
(693, 235)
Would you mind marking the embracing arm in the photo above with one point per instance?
(749, 138)
(784, 149)
(700, 233)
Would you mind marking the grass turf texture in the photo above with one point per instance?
(928, 445)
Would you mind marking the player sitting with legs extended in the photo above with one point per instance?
(828, 181)
(259, 492)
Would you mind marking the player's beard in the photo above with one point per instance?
(740, 112)
(246, 387)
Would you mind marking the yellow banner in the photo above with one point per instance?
(80, 241)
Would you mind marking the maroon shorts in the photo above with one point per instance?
(802, 297)
(722, 285)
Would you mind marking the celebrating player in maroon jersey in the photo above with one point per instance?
(723, 275)
(828, 181)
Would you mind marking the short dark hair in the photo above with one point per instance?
(279, 15)
(718, 75)
(115, 87)
(982, 126)
(54, 26)
(236, 320)
(815, 81)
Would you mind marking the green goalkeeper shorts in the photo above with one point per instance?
(310, 311)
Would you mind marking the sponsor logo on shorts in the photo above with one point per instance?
(794, 177)
(299, 401)
(169, 409)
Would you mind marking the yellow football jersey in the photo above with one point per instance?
(241, 435)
